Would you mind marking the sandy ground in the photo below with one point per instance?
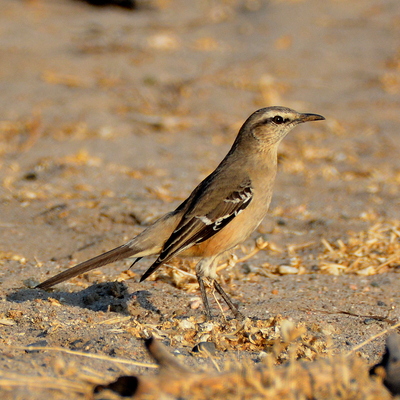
(109, 117)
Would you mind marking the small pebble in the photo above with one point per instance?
(40, 343)
(186, 324)
(246, 268)
(288, 270)
(205, 347)
(262, 355)
(195, 303)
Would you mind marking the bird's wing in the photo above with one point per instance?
(208, 212)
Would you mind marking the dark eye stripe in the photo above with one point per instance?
(271, 120)
(279, 120)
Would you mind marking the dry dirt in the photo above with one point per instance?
(110, 116)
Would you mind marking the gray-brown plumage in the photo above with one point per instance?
(221, 212)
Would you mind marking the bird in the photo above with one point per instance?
(220, 213)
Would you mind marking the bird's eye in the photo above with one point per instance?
(277, 119)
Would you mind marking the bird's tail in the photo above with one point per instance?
(116, 254)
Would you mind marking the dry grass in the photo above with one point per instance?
(370, 252)
(271, 335)
(331, 378)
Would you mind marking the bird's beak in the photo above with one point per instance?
(310, 117)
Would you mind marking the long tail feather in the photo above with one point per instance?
(116, 254)
(151, 269)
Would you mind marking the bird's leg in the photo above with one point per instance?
(204, 296)
(238, 315)
(218, 302)
(206, 268)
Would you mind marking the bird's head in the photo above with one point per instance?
(271, 124)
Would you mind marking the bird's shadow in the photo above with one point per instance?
(108, 296)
